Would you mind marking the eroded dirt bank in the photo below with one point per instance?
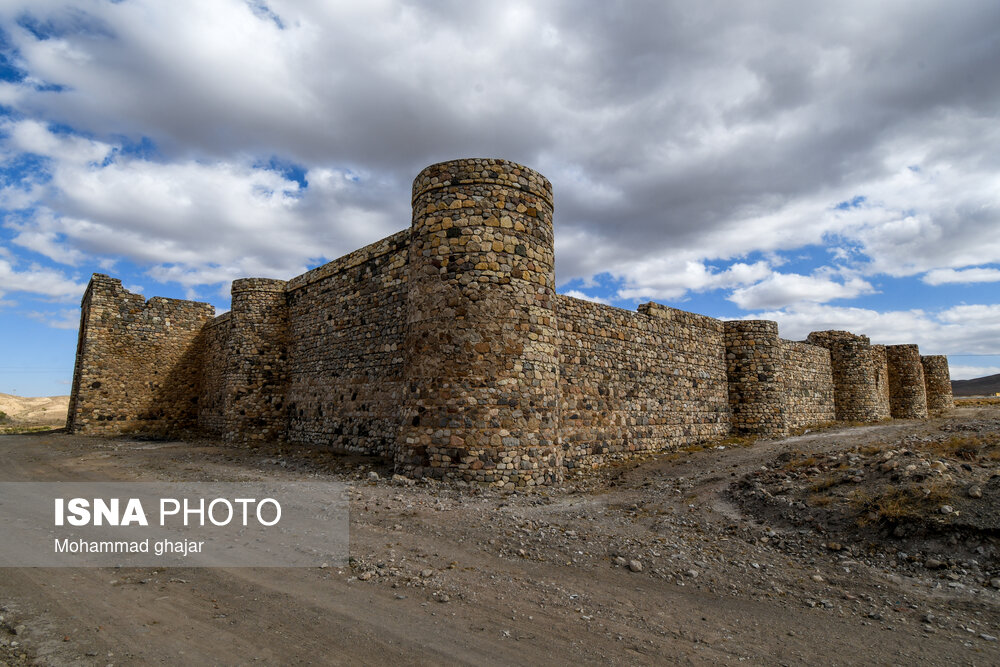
(776, 553)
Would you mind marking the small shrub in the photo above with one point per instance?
(4, 418)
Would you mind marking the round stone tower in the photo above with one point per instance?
(907, 395)
(481, 356)
(255, 371)
(755, 370)
(937, 382)
(857, 375)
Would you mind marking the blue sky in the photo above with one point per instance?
(826, 166)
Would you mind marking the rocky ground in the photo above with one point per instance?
(872, 544)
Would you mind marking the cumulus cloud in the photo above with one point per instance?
(204, 141)
(38, 280)
(577, 294)
(960, 330)
(975, 275)
(210, 222)
(782, 289)
(661, 278)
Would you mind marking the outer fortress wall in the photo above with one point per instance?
(347, 321)
(808, 387)
(637, 382)
(445, 348)
(215, 405)
(481, 355)
(937, 382)
(257, 351)
(755, 367)
(138, 362)
(856, 376)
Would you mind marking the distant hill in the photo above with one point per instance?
(984, 386)
(35, 411)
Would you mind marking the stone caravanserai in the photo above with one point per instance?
(445, 349)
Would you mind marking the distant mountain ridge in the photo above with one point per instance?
(984, 386)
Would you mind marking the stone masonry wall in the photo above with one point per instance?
(907, 396)
(880, 366)
(446, 349)
(808, 385)
(481, 364)
(856, 377)
(256, 377)
(937, 382)
(756, 372)
(345, 358)
(215, 404)
(637, 382)
(138, 362)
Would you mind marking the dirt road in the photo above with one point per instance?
(658, 562)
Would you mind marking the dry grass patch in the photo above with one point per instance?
(894, 504)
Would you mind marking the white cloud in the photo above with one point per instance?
(192, 222)
(961, 330)
(673, 159)
(40, 281)
(577, 294)
(662, 279)
(64, 319)
(783, 289)
(948, 276)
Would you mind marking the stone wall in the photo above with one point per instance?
(880, 367)
(445, 349)
(345, 356)
(482, 362)
(907, 396)
(138, 362)
(756, 372)
(856, 376)
(808, 387)
(637, 382)
(215, 404)
(937, 382)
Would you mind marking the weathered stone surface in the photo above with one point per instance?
(445, 349)
(937, 382)
(907, 395)
(858, 380)
(138, 362)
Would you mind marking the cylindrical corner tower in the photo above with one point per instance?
(755, 370)
(880, 365)
(937, 382)
(481, 355)
(907, 396)
(856, 376)
(255, 380)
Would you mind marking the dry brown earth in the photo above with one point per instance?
(741, 554)
(35, 410)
